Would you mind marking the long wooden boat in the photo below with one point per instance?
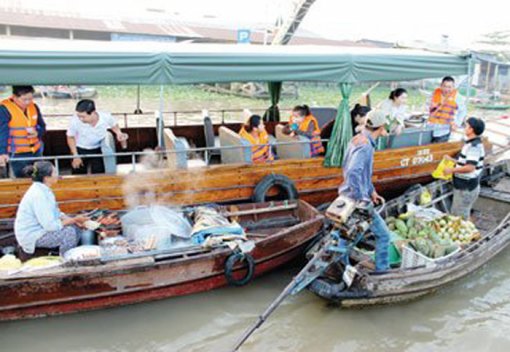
(395, 170)
(281, 231)
(492, 218)
(495, 106)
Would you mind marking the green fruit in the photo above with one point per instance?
(422, 233)
(450, 249)
(405, 216)
(401, 226)
(390, 219)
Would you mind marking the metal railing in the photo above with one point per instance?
(125, 116)
(161, 153)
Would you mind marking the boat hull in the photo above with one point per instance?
(395, 170)
(397, 286)
(83, 288)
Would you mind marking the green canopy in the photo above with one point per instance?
(273, 112)
(108, 63)
(342, 130)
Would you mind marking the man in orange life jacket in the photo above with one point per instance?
(447, 110)
(21, 129)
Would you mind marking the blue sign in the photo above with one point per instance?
(243, 36)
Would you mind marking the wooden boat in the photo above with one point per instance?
(496, 106)
(67, 92)
(155, 64)
(281, 231)
(492, 218)
(395, 171)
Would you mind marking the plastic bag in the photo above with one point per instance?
(208, 222)
(82, 253)
(439, 171)
(42, 263)
(155, 216)
(10, 262)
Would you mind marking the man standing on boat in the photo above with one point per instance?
(85, 135)
(21, 129)
(357, 185)
(447, 110)
(468, 169)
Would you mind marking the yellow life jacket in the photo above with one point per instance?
(260, 153)
(316, 143)
(18, 141)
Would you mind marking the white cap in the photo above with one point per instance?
(376, 119)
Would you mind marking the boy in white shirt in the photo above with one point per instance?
(87, 130)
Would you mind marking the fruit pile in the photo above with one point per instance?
(433, 239)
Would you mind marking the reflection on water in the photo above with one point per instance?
(472, 315)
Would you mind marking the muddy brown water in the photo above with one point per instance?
(470, 315)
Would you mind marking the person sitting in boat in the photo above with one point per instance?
(39, 223)
(359, 118)
(21, 129)
(468, 169)
(395, 109)
(86, 132)
(447, 110)
(303, 123)
(254, 132)
(357, 185)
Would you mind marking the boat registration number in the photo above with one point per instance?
(423, 156)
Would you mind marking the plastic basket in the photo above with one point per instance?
(412, 259)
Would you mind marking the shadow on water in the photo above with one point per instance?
(472, 315)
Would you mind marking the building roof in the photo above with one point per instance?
(41, 19)
(197, 32)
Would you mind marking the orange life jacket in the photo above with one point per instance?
(316, 144)
(260, 153)
(21, 120)
(446, 108)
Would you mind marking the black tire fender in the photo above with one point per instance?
(229, 268)
(269, 181)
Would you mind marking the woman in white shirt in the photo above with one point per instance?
(39, 223)
(87, 130)
(395, 108)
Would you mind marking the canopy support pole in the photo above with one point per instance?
(138, 111)
(487, 76)
(160, 121)
(496, 78)
(468, 85)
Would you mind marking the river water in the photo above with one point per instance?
(471, 315)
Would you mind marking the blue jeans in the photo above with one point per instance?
(18, 166)
(382, 242)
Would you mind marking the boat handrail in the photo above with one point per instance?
(135, 154)
(173, 113)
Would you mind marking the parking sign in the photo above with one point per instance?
(243, 36)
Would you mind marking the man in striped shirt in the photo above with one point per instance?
(467, 172)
